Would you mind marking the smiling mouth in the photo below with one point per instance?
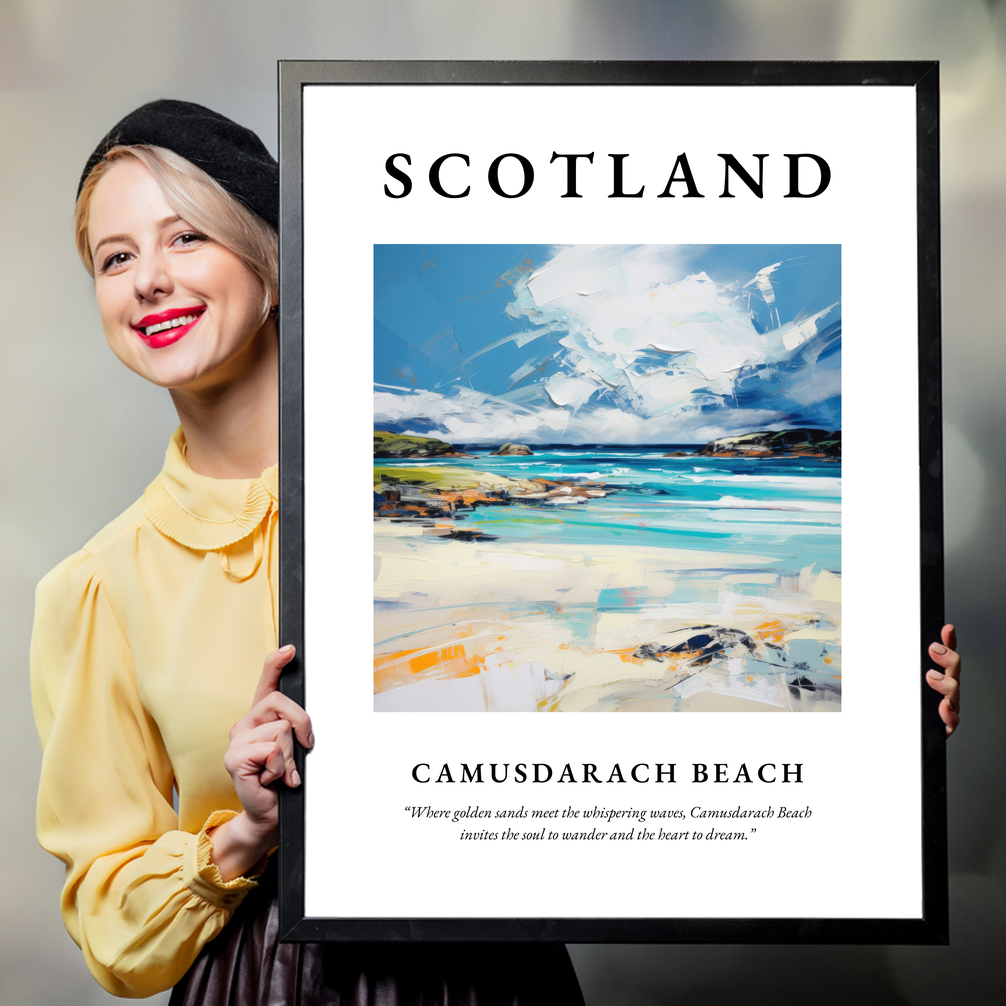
(185, 319)
(166, 322)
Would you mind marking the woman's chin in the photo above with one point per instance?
(197, 365)
(173, 374)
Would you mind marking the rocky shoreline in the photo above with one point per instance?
(393, 445)
(805, 442)
(426, 496)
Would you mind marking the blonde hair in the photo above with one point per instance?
(199, 200)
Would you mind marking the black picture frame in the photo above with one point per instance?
(932, 926)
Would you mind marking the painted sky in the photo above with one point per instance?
(667, 344)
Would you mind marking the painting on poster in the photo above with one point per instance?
(607, 478)
(641, 432)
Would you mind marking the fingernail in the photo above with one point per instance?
(938, 648)
(287, 649)
(310, 740)
(936, 675)
(295, 777)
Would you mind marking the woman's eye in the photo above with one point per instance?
(114, 261)
(190, 238)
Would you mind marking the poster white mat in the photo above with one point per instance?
(859, 854)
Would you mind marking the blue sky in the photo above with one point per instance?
(624, 344)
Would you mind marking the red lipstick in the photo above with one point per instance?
(166, 327)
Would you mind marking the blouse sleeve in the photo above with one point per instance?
(141, 898)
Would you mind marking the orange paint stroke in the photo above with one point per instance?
(627, 656)
(772, 631)
(394, 669)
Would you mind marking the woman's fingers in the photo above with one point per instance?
(271, 671)
(945, 653)
(274, 766)
(277, 706)
(948, 659)
(947, 686)
(261, 749)
(949, 636)
(270, 703)
(278, 735)
(258, 760)
(949, 710)
(946, 681)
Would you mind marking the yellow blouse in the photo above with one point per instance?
(147, 647)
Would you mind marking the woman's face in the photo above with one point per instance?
(177, 308)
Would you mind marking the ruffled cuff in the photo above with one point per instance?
(203, 878)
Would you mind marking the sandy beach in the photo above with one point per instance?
(508, 626)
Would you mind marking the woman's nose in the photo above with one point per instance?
(152, 277)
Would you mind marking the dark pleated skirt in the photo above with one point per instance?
(246, 965)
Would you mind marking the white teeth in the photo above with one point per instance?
(174, 323)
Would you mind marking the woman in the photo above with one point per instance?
(148, 643)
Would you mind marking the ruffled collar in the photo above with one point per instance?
(203, 513)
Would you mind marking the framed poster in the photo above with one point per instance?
(563, 378)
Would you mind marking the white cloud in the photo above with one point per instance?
(644, 357)
(469, 417)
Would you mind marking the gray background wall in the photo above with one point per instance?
(81, 436)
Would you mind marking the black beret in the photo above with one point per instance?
(230, 154)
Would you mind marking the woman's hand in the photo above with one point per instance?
(260, 753)
(947, 682)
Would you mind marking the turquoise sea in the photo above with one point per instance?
(786, 510)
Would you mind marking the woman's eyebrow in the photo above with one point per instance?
(109, 240)
(160, 225)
